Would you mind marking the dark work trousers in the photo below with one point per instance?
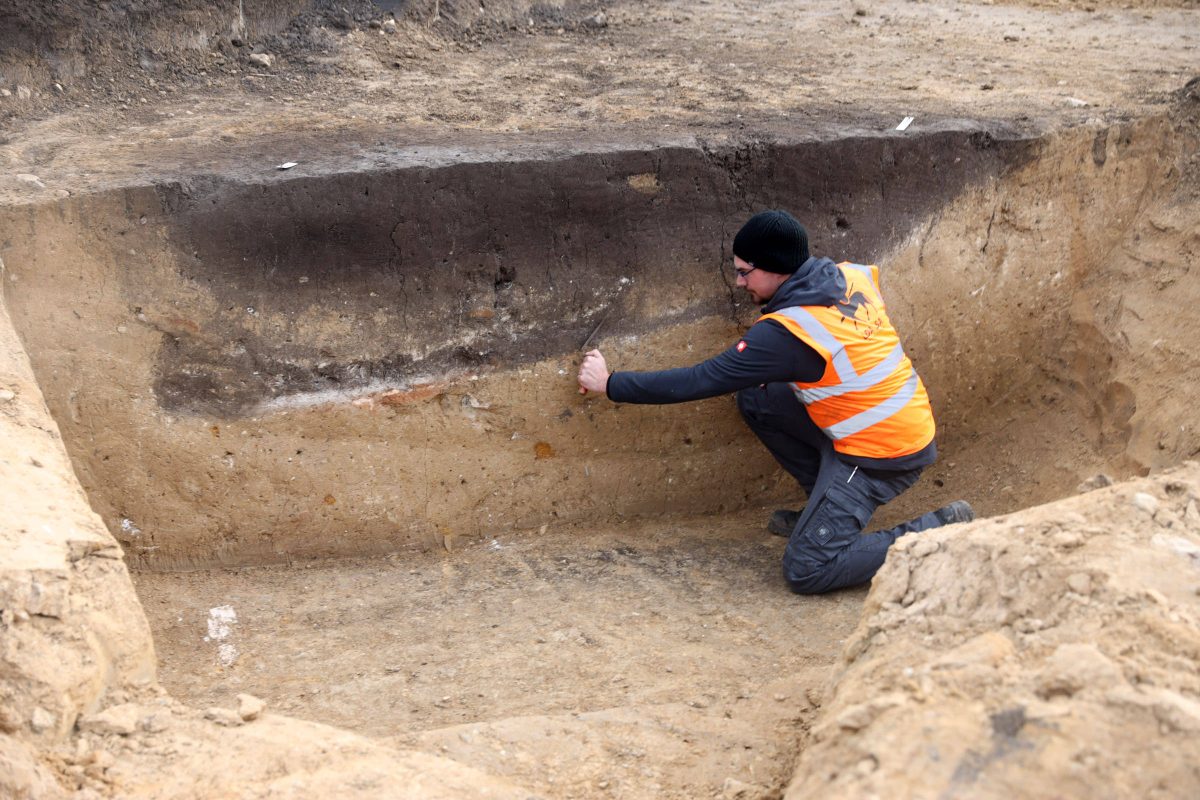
(827, 550)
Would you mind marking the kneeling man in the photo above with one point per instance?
(823, 381)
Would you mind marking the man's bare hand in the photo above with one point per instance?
(593, 373)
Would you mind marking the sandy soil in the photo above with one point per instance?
(637, 616)
(1047, 653)
(675, 638)
(639, 652)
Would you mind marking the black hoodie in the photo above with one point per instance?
(767, 353)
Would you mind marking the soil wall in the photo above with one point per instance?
(1047, 308)
(357, 362)
(72, 633)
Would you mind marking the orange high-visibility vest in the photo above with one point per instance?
(870, 401)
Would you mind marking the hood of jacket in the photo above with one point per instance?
(818, 282)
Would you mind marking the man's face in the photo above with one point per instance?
(760, 284)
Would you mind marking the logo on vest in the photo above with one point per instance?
(741, 345)
(859, 309)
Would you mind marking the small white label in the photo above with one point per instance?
(904, 123)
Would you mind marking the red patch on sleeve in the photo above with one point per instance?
(741, 346)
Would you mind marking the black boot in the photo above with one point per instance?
(783, 521)
(958, 511)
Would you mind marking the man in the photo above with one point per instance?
(823, 381)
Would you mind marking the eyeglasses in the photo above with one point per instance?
(741, 273)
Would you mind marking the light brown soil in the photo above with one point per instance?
(663, 659)
(1047, 653)
(1046, 305)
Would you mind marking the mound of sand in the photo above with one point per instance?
(1050, 652)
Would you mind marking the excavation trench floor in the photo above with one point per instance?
(686, 622)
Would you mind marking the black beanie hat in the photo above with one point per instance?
(774, 241)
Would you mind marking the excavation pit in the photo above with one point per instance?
(340, 405)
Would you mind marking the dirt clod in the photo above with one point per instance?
(1147, 503)
(1080, 583)
(225, 717)
(250, 707)
(1098, 481)
(119, 720)
(42, 720)
(1074, 667)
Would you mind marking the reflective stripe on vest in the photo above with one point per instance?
(864, 269)
(841, 362)
(873, 416)
(871, 378)
(870, 401)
